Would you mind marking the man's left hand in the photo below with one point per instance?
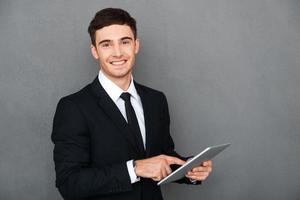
(201, 172)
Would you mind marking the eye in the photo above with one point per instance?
(125, 41)
(105, 45)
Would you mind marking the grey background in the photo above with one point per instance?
(230, 70)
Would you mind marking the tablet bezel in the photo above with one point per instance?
(205, 155)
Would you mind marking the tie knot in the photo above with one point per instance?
(125, 96)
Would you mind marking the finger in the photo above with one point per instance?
(198, 174)
(165, 169)
(202, 169)
(207, 163)
(198, 169)
(209, 169)
(189, 173)
(163, 173)
(198, 178)
(168, 170)
(173, 160)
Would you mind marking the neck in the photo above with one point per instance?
(122, 82)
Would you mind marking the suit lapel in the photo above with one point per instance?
(109, 107)
(148, 118)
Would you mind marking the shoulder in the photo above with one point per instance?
(83, 96)
(149, 91)
(157, 97)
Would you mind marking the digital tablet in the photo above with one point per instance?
(205, 155)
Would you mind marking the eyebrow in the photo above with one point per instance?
(103, 41)
(126, 38)
(123, 38)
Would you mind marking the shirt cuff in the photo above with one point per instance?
(130, 168)
(193, 181)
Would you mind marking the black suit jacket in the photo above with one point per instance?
(92, 145)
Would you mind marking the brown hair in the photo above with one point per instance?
(110, 16)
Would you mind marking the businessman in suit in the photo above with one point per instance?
(112, 138)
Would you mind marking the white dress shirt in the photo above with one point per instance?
(114, 92)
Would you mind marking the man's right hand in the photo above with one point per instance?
(157, 167)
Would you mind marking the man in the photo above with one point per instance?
(112, 138)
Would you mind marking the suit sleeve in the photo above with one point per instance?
(169, 147)
(76, 177)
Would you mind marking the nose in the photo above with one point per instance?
(117, 50)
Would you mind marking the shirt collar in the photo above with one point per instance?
(115, 91)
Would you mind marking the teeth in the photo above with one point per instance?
(118, 62)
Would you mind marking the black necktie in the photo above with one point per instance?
(133, 123)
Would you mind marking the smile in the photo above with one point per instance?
(121, 62)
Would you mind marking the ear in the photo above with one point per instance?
(137, 46)
(94, 52)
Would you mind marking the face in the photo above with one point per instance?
(115, 49)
